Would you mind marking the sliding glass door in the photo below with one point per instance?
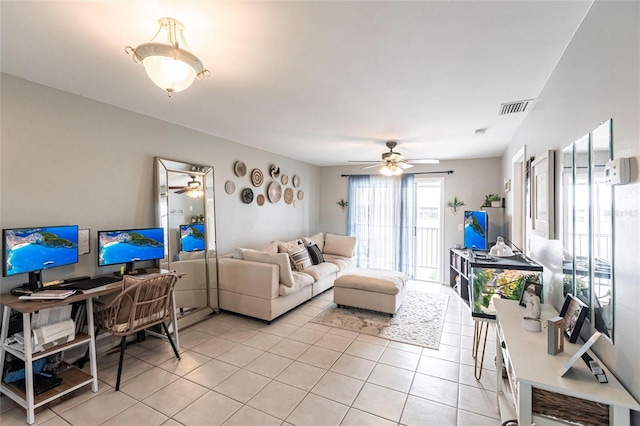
(398, 223)
(429, 223)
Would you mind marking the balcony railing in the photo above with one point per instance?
(427, 250)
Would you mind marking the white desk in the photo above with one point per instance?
(533, 371)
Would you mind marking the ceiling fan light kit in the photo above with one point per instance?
(393, 163)
(169, 66)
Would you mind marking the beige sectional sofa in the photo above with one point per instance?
(262, 283)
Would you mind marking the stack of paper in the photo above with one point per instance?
(48, 294)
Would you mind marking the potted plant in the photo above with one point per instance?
(454, 204)
(492, 200)
(343, 204)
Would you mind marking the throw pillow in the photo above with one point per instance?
(314, 253)
(285, 246)
(299, 258)
(271, 248)
(280, 259)
(317, 239)
(340, 245)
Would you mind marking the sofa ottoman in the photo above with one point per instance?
(375, 289)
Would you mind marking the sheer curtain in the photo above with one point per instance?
(381, 215)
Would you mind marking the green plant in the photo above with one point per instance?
(343, 204)
(454, 204)
(489, 198)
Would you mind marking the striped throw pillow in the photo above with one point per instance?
(299, 257)
(314, 253)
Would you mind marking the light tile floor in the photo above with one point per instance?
(239, 371)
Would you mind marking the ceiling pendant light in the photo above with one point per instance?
(169, 66)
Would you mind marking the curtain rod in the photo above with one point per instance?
(449, 172)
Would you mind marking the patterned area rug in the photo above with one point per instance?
(419, 320)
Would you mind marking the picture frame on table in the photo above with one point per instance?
(524, 296)
(574, 312)
(542, 195)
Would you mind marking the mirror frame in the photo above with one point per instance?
(163, 168)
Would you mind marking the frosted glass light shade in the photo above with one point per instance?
(168, 73)
(391, 170)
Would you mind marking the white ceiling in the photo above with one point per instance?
(321, 82)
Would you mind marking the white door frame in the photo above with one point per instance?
(518, 207)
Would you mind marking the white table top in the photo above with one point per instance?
(534, 366)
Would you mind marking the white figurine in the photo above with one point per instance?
(533, 305)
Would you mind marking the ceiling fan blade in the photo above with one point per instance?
(404, 166)
(371, 167)
(359, 161)
(425, 161)
(182, 191)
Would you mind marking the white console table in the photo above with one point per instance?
(535, 386)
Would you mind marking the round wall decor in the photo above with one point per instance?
(260, 199)
(274, 171)
(300, 195)
(256, 177)
(229, 187)
(296, 181)
(240, 169)
(284, 179)
(274, 192)
(295, 203)
(247, 195)
(288, 195)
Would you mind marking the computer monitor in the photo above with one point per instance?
(475, 229)
(30, 250)
(192, 237)
(128, 246)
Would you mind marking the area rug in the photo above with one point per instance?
(419, 320)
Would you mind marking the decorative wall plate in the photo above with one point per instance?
(247, 195)
(256, 177)
(240, 168)
(229, 187)
(288, 195)
(274, 192)
(284, 179)
(274, 171)
(300, 195)
(295, 203)
(260, 199)
(296, 181)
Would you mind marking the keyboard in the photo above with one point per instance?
(93, 283)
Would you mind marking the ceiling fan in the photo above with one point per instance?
(393, 162)
(192, 187)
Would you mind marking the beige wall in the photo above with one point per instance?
(471, 181)
(66, 159)
(597, 79)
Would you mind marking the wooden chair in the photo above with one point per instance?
(143, 303)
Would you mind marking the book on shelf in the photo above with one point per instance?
(48, 295)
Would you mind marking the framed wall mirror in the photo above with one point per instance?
(587, 226)
(186, 211)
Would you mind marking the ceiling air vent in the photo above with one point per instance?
(514, 107)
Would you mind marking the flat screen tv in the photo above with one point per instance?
(128, 246)
(475, 229)
(192, 237)
(30, 250)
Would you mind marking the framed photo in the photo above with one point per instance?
(573, 312)
(542, 195)
(524, 296)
